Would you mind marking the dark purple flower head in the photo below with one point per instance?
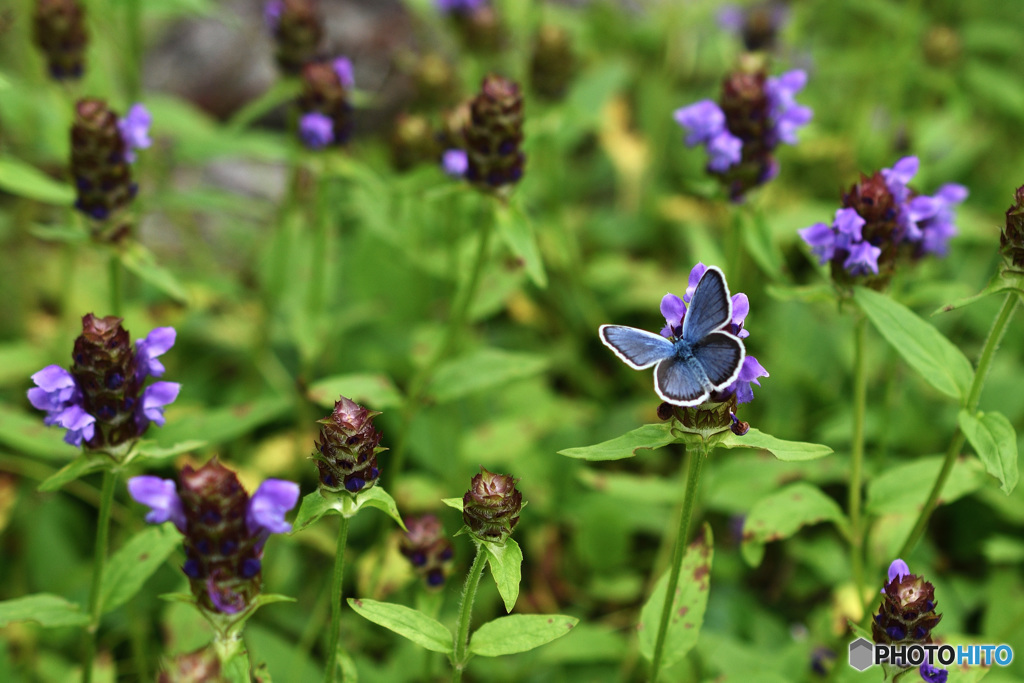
(754, 115)
(326, 111)
(346, 452)
(907, 613)
(103, 401)
(59, 30)
(932, 674)
(427, 548)
(225, 529)
(134, 127)
(491, 506)
(297, 28)
(883, 221)
(1011, 240)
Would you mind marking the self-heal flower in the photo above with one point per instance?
(297, 28)
(103, 401)
(60, 32)
(907, 613)
(493, 136)
(324, 102)
(427, 548)
(346, 452)
(882, 222)
(933, 674)
(491, 506)
(754, 115)
(316, 130)
(1011, 239)
(225, 529)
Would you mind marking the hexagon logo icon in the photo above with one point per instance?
(861, 651)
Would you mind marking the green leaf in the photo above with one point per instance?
(925, 349)
(406, 622)
(49, 611)
(904, 488)
(482, 370)
(515, 228)
(453, 503)
(519, 633)
(374, 391)
(77, 468)
(688, 605)
(150, 450)
(284, 90)
(649, 436)
(1003, 281)
(319, 503)
(27, 434)
(757, 237)
(24, 180)
(783, 513)
(140, 261)
(995, 441)
(506, 567)
(135, 562)
(789, 451)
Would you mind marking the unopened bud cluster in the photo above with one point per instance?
(493, 135)
(346, 452)
(428, 549)
(1011, 241)
(552, 64)
(59, 32)
(297, 28)
(326, 113)
(491, 506)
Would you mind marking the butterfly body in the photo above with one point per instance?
(704, 358)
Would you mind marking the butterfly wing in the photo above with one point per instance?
(680, 381)
(710, 308)
(639, 349)
(720, 355)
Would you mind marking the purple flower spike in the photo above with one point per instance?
(455, 162)
(156, 343)
(154, 399)
(316, 130)
(161, 495)
(705, 120)
(268, 505)
(134, 129)
(343, 67)
(933, 674)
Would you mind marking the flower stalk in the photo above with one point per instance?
(336, 593)
(98, 564)
(682, 535)
(860, 391)
(466, 611)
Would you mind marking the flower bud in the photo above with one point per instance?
(907, 613)
(346, 453)
(413, 142)
(326, 112)
(427, 549)
(476, 21)
(552, 64)
(297, 28)
(1011, 241)
(59, 31)
(494, 135)
(100, 165)
(225, 530)
(491, 506)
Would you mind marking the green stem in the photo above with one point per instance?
(339, 573)
(988, 352)
(321, 250)
(466, 612)
(99, 560)
(133, 17)
(114, 273)
(860, 393)
(682, 534)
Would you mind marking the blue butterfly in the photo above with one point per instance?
(704, 358)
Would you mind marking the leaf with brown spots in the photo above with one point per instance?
(783, 513)
(690, 601)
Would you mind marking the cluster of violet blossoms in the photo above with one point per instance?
(225, 529)
(883, 220)
(327, 112)
(101, 400)
(907, 615)
(674, 310)
(756, 113)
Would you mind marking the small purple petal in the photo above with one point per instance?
(161, 495)
(223, 598)
(952, 193)
(724, 150)
(740, 308)
(898, 176)
(731, 18)
(898, 569)
(343, 67)
(155, 397)
(673, 308)
(53, 377)
(81, 425)
(272, 14)
(849, 222)
(862, 259)
(821, 238)
(134, 128)
(455, 162)
(158, 342)
(696, 273)
(750, 371)
(705, 120)
(268, 505)
(316, 130)
(932, 674)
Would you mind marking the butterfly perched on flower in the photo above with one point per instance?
(699, 357)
